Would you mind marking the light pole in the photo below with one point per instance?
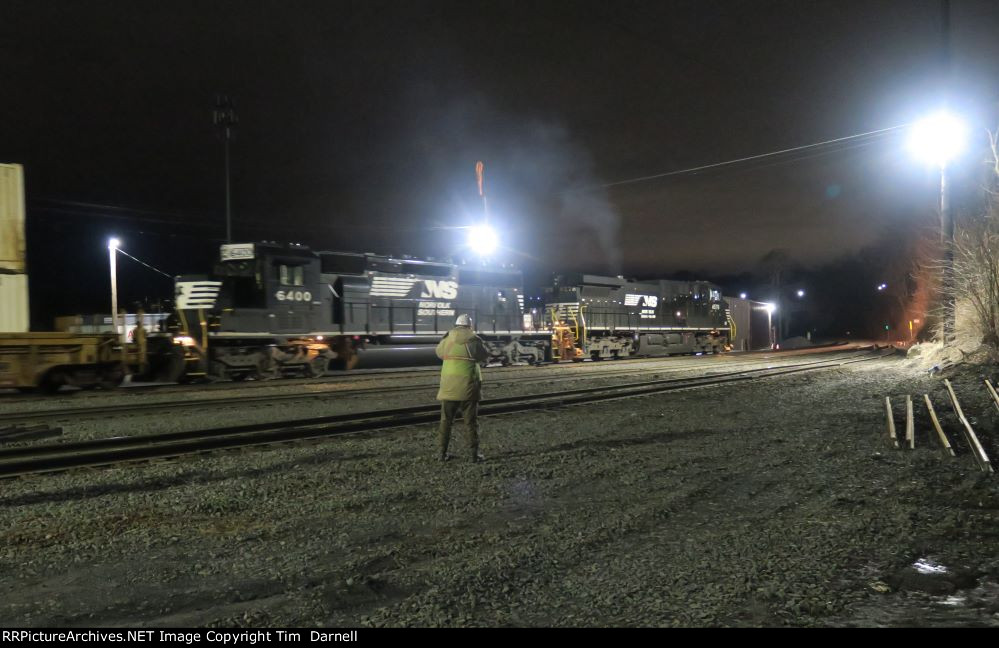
(224, 117)
(770, 323)
(113, 260)
(939, 139)
(482, 239)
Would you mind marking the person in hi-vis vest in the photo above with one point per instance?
(461, 384)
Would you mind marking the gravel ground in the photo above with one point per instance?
(766, 503)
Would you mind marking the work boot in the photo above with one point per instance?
(477, 458)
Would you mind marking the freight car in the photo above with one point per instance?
(613, 317)
(47, 361)
(269, 309)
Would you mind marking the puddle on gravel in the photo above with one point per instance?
(928, 566)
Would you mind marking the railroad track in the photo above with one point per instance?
(105, 452)
(371, 375)
(118, 409)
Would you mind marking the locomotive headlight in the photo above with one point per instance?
(482, 239)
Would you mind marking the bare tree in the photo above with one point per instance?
(976, 267)
(777, 264)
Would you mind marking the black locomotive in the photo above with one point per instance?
(270, 309)
(613, 317)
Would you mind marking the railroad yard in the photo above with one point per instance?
(740, 489)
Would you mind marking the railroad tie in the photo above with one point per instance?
(891, 422)
(936, 425)
(992, 393)
(910, 426)
(28, 433)
(976, 447)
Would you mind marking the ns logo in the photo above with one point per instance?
(439, 289)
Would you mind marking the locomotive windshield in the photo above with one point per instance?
(291, 275)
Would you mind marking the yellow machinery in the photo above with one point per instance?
(567, 337)
(47, 361)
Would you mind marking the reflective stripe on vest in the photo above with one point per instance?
(454, 365)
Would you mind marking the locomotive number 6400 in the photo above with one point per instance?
(293, 295)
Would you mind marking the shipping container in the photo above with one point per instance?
(152, 322)
(12, 243)
(13, 277)
(13, 303)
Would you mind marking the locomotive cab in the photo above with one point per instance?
(268, 288)
(253, 318)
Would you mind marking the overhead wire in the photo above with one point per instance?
(868, 135)
(800, 158)
(121, 251)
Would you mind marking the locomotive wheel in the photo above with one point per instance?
(266, 370)
(169, 367)
(317, 367)
(52, 381)
(108, 383)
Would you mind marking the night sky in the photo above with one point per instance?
(360, 124)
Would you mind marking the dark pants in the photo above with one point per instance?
(469, 411)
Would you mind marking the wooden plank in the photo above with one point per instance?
(976, 446)
(910, 426)
(936, 425)
(992, 392)
(891, 422)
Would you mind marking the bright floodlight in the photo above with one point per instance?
(742, 295)
(801, 293)
(939, 138)
(482, 239)
(770, 308)
(113, 244)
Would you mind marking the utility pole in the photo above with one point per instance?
(946, 217)
(225, 118)
(480, 178)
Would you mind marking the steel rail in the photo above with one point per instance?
(103, 452)
(246, 399)
(369, 375)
